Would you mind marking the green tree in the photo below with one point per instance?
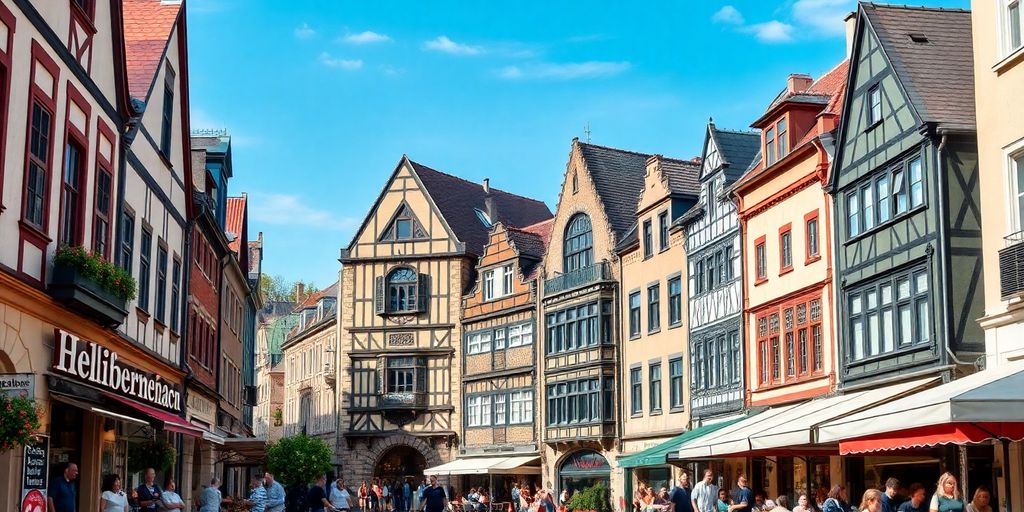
(298, 459)
(273, 288)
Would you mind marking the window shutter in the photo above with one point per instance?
(379, 297)
(423, 300)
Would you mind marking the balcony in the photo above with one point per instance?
(69, 286)
(579, 278)
(1011, 267)
(403, 401)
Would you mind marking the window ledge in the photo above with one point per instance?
(673, 410)
(675, 325)
(634, 336)
(655, 331)
(812, 259)
(142, 314)
(759, 281)
(913, 210)
(663, 249)
(159, 326)
(785, 270)
(1010, 61)
(636, 415)
(655, 413)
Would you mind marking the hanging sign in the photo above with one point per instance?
(34, 468)
(18, 385)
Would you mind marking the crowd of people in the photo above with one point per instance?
(705, 496)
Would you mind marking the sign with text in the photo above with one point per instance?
(102, 367)
(18, 384)
(34, 468)
(200, 408)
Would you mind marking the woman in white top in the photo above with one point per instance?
(169, 499)
(113, 498)
(340, 498)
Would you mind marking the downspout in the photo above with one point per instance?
(943, 258)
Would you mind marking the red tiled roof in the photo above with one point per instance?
(541, 229)
(532, 242)
(315, 297)
(147, 29)
(235, 221)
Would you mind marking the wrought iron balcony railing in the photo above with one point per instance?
(578, 278)
(1011, 266)
(410, 400)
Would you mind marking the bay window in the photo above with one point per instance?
(888, 315)
(579, 327)
(582, 401)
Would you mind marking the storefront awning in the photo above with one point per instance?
(113, 406)
(239, 450)
(701, 447)
(170, 422)
(985, 405)
(487, 465)
(657, 455)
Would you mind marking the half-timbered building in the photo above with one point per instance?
(499, 361)
(580, 335)
(402, 281)
(654, 329)
(715, 288)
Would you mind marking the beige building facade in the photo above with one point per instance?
(656, 391)
(403, 277)
(999, 83)
(273, 324)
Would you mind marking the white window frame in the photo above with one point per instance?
(498, 282)
(473, 411)
(1005, 44)
(500, 410)
(478, 342)
(1011, 153)
(507, 279)
(520, 335)
(499, 339)
(485, 410)
(489, 278)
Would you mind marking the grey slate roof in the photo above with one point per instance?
(736, 148)
(683, 175)
(618, 176)
(457, 199)
(529, 245)
(938, 75)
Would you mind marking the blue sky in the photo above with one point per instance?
(323, 98)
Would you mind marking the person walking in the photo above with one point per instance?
(406, 496)
(434, 497)
(872, 501)
(257, 501)
(113, 498)
(704, 497)
(364, 496)
(275, 493)
(889, 496)
(211, 498)
(316, 498)
(916, 502)
(339, 497)
(947, 495)
(681, 494)
(836, 501)
(169, 499)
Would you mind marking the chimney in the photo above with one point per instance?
(300, 290)
(487, 186)
(851, 32)
(798, 83)
(489, 207)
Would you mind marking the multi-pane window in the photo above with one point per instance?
(715, 360)
(579, 327)
(675, 301)
(499, 339)
(653, 307)
(478, 411)
(144, 271)
(405, 375)
(175, 294)
(580, 401)
(884, 197)
(786, 249)
(714, 269)
(786, 341)
(500, 409)
(521, 407)
(101, 219)
(403, 227)
(636, 391)
(889, 315)
(71, 195)
(579, 243)
(782, 144)
(761, 261)
(811, 227)
(648, 239)
(1012, 25)
(874, 105)
(478, 342)
(38, 165)
(663, 230)
(634, 314)
(769, 146)
(675, 383)
(698, 277)
(776, 143)
(402, 286)
(519, 335)
(498, 282)
(654, 381)
(161, 283)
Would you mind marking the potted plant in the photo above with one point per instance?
(298, 459)
(591, 499)
(153, 453)
(19, 421)
(91, 284)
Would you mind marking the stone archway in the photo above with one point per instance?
(400, 463)
(360, 460)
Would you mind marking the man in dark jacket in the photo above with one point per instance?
(149, 492)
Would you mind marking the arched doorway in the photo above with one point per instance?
(399, 463)
(583, 469)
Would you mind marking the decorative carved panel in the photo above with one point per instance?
(401, 339)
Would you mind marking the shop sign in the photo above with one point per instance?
(18, 385)
(585, 462)
(35, 467)
(100, 366)
(201, 408)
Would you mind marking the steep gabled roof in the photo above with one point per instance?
(458, 199)
(737, 149)
(931, 51)
(618, 176)
(683, 175)
(235, 221)
(531, 242)
(147, 30)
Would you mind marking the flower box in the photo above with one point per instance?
(70, 286)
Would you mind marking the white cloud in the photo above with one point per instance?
(563, 71)
(366, 37)
(446, 45)
(347, 64)
(293, 210)
(304, 31)
(389, 70)
(771, 31)
(824, 16)
(728, 15)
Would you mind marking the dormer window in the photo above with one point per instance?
(403, 226)
(776, 143)
(483, 217)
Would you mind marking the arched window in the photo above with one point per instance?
(579, 243)
(402, 290)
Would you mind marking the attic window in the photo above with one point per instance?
(918, 38)
(483, 217)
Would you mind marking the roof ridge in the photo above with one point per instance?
(740, 132)
(617, 149)
(681, 160)
(464, 180)
(917, 7)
